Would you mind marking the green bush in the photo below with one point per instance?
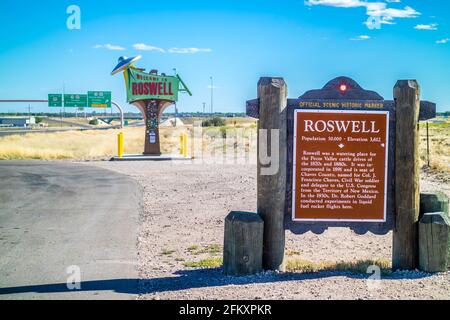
(93, 122)
(213, 122)
(38, 119)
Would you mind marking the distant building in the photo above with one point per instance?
(17, 121)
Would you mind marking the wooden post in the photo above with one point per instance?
(434, 242)
(272, 93)
(405, 237)
(433, 202)
(243, 243)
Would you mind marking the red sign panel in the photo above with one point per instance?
(340, 165)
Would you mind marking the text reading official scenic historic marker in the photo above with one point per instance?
(340, 165)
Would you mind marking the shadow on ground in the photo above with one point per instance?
(190, 279)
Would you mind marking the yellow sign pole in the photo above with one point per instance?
(185, 145)
(120, 145)
(181, 144)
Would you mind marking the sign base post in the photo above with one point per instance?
(152, 111)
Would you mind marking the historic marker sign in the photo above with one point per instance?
(347, 158)
(340, 165)
(340, 158)
(99, 99)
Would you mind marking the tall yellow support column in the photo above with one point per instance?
(120, 145)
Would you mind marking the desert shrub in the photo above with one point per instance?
(213, 122)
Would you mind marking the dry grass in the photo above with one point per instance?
(102, 144)
(211, 262)
(79, 145)
(360, 266)
(439, 145)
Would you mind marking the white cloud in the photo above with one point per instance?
(432, 26)
(443, 41)
(109, 47)
(189, 50)
(375, 10)
(146, 47)
(360, 38)
(335, 3)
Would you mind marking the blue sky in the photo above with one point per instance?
(306, 42)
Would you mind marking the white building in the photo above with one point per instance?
(17, 121)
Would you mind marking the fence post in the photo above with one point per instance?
(272, 93)
(434, 232)
(407, 194)
(243, 243)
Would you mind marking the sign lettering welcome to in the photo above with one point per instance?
(148, 86)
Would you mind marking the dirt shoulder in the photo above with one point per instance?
(182, 224)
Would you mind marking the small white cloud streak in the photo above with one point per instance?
(109, 46)
(360, 38)
(443, 41)
(146, 47)
(188, 50)
(430, 27)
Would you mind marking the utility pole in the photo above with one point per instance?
(176, 110)
(204, 105)
(64, 107)
(212, 95)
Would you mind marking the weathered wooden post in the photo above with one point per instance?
(243, 243)
(433, 202)
(271, 179)
(434, 242)
(407, 194)
(434, 232)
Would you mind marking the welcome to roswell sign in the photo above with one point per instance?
(150, 86)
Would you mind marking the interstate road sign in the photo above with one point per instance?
(75, 100)
(55, 100)
(99, 99)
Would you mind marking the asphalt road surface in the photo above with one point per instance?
(58, 218)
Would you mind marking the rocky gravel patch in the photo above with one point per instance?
(182, 222)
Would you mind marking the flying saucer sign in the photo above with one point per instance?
(148, 86)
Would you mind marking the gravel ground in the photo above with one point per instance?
(183, 219)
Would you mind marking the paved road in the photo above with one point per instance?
(54, 215)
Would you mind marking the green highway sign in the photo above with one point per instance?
(99, 99)
(55, 100)
(75, 100)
